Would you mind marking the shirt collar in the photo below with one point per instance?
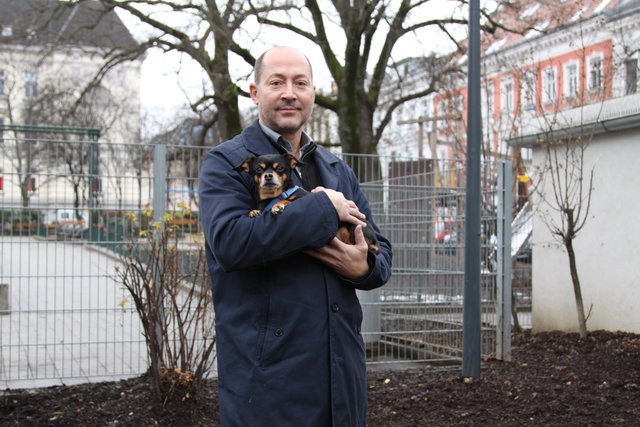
(279, 140)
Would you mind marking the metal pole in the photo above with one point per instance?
(159, 181)
(471, 317)
(503, 274)
(159, 208)
(93, 172)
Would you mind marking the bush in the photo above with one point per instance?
(173, 300)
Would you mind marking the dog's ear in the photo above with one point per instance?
(293, 162)
(245, 165)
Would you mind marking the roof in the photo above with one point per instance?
(612, 115)
(534, 18)
(41, 22)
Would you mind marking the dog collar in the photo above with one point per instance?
(284, 195)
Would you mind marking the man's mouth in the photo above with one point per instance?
(287, 108)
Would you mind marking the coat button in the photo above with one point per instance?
(335, 307)
(278, 332)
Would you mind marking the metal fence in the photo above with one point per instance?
(66, 216)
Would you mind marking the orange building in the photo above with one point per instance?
(556, 55)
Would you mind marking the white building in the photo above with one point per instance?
(578, 83)
(49, 52)
(606, 248)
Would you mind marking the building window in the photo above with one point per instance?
(549, 85)
(595, 72)
(571, 80)
(30, 84)
(442, 113)
(506, 99)
(631, 69)
(528, 90)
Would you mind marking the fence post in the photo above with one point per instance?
(159, 181)
(93, 174)
(159, 209)
(503, 274)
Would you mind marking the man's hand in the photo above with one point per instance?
(349, 261)
(347, 210)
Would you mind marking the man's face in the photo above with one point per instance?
(285, 93)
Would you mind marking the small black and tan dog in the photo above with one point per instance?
(276, 189)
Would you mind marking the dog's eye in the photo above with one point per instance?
(280, 169)
(259, 169)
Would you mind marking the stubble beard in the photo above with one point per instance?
(288, 125)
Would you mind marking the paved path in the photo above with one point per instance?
(69, 321)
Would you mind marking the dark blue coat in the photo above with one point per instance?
(290, 352)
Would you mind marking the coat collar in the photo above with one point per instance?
(256, 142)
(326, 164)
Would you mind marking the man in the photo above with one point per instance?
(288, 320)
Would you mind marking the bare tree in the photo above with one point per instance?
(359, 89)
(203, 31)
(98, 110)
(565, 207)
(22, 153)
(207, 33)
(360, 42)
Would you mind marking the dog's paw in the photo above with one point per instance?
(254, 213)
(277, 209)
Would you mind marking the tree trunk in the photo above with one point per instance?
(355, 129)
(225, 93)
(575, 279)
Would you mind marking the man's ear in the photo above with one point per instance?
(253, 91)
(245, 165)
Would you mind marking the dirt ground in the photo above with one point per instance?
(555, 379)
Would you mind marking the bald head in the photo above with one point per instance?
(259, 66)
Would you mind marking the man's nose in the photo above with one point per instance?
(288, 90)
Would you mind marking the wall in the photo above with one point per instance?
(607, 249)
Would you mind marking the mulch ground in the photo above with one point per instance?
(555, 379)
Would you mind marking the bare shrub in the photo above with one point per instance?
(170, 286)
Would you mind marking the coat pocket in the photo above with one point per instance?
(263, 327)
(290, 331)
